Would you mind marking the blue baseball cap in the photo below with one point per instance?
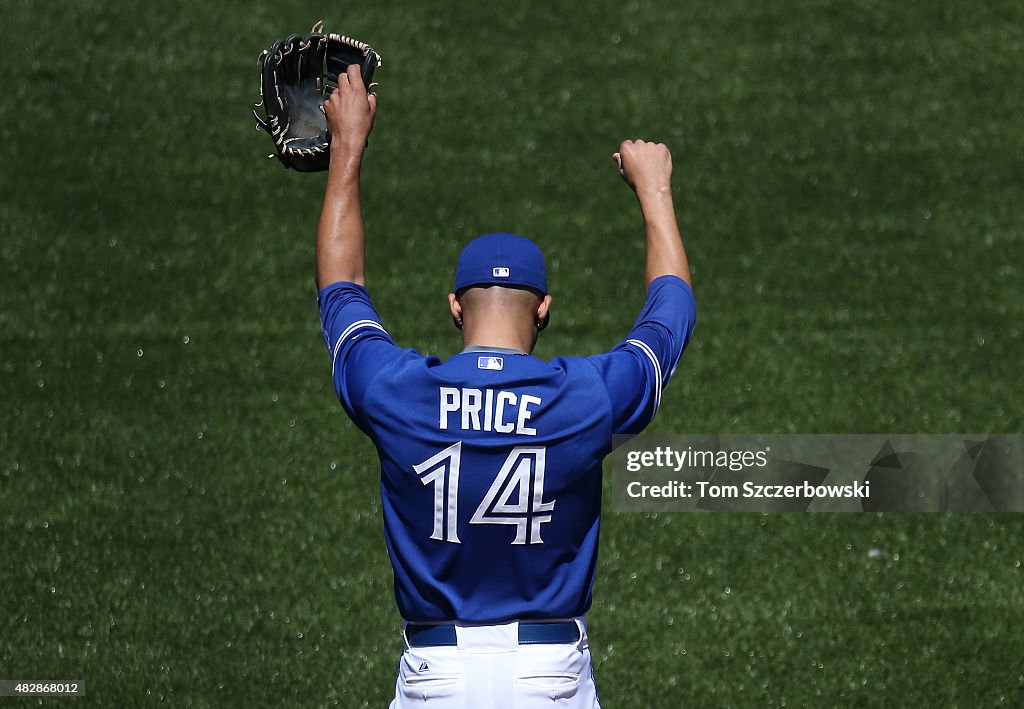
(501, 260)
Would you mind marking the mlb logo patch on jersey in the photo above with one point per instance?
(500, 272)
(494, 363)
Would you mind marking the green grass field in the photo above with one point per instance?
(187, 517)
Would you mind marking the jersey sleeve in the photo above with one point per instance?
(637, 369)
(358, 344)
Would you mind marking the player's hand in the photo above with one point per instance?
(350, 112)
(646, 167)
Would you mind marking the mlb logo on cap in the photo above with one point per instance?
(522, 263)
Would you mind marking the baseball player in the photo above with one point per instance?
(491, 460)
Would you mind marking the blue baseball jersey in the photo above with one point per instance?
(491, 461)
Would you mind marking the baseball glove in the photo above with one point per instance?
(295, 72)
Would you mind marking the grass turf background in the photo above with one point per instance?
(187, 516)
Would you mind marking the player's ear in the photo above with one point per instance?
(544, 312)
(456, 309)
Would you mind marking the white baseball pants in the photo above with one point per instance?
(489, 669)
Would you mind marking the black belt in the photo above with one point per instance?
(420, 635)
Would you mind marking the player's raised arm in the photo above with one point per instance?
(340, 237)
(647, 168)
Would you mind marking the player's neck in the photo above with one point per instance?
(502, 334)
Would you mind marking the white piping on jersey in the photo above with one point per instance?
(357, 325)
(646, 349)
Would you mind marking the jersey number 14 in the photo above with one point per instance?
(516, 497)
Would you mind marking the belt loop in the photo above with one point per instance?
(584, 642)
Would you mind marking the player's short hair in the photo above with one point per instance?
(500, 296)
